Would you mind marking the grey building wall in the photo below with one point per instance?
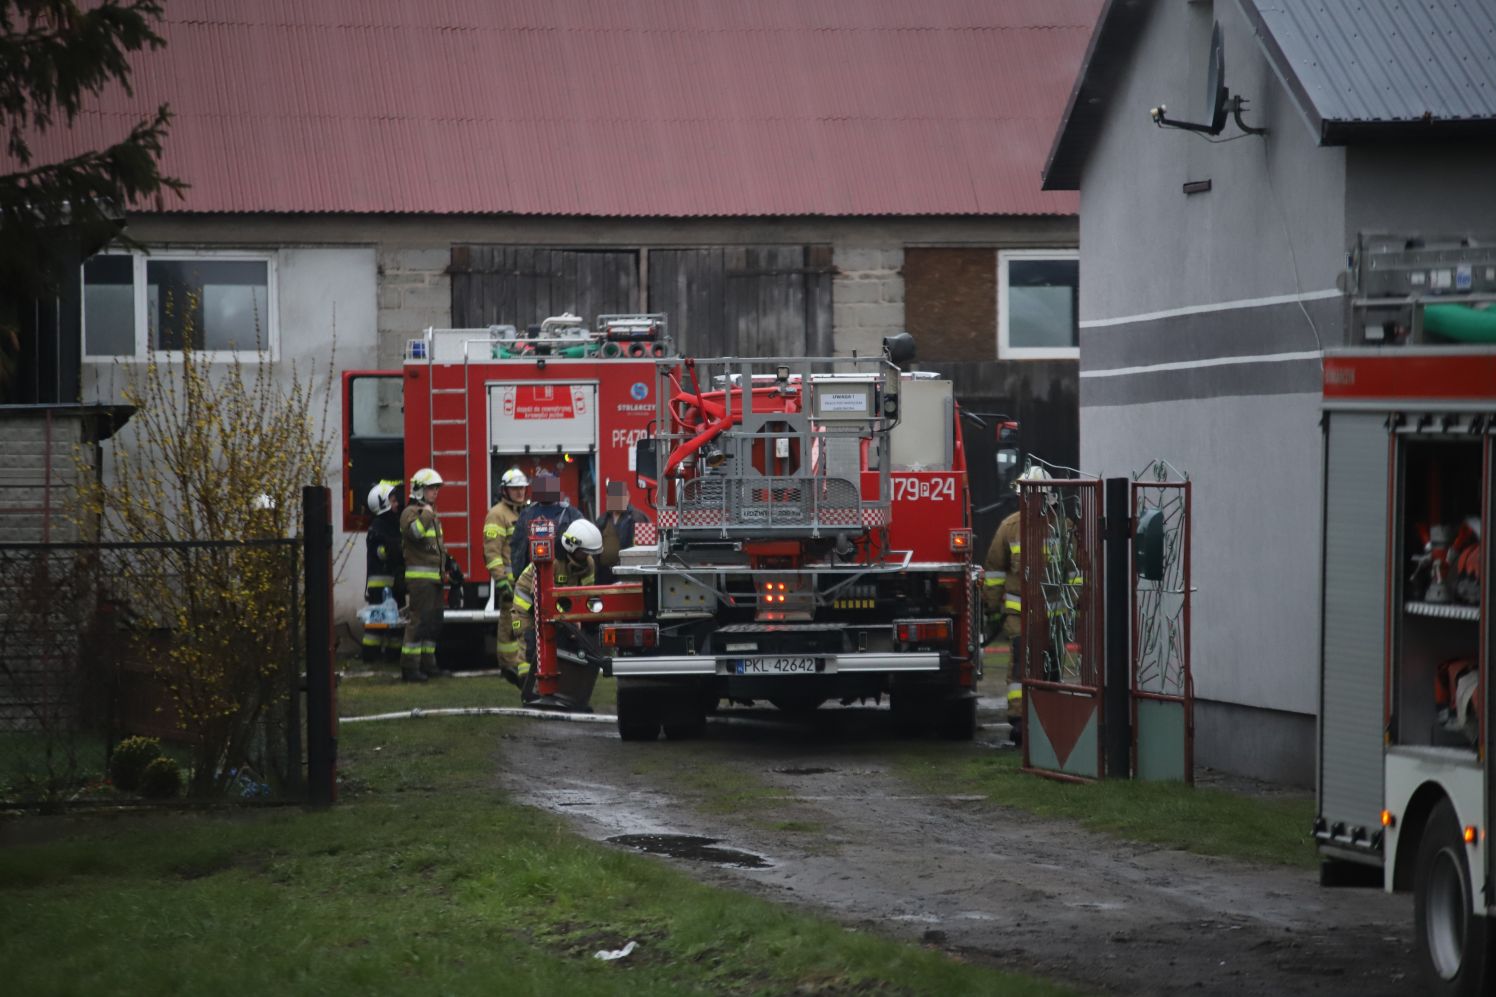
(1421, 188)
(1224, 383)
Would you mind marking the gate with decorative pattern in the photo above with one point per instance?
(1062, 646)
(1162, 691)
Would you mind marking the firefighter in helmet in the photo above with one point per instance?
(498, 557)
(1002, 598)
(579, 546)
(425, 558)
(386, 568)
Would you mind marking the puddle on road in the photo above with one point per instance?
(689, 846)
(804, 771)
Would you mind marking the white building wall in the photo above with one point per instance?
(326, 299)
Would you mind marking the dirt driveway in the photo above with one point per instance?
(824, 821)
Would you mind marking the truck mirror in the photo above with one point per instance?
(644, 459)
(1007, 467)
(1148, 545)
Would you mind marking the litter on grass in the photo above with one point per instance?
(607, 956)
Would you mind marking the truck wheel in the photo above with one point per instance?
(958, 719)
(638, 720)
(1453, 944)
(685, 728)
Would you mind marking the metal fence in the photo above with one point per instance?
(197, 643)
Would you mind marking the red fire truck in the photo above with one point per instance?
(472, 403)
(814, 544)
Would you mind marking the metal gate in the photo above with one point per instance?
(1162, 691)
(1061, 651)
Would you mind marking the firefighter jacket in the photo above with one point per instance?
(498, 539)
(519, 549)
(1002, 586)
(563, 572)
(386, 559)
(421, 536)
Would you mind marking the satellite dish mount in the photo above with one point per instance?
(1219, 102)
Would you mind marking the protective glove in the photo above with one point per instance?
(503, 588)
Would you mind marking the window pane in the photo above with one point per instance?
(208, 304)
(109, 306)
(376, 405)
(1042, 302)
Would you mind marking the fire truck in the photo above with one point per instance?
(1406, 784)
(560, 397)
(814, 544)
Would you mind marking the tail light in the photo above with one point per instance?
(773, 593)
(630, 636)
(960, 541)
(921, 631)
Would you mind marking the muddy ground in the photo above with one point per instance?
(820, 818)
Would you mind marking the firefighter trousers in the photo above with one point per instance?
(425, 626)
(511, 650)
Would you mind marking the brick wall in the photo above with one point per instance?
(415, 291)
(868, 297)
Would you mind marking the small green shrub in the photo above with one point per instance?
(162, 779)
(130, 759)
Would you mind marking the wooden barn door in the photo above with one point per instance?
(746, 301)
(521, 285)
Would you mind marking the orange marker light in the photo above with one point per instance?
(1471, 835)
(1387, 819)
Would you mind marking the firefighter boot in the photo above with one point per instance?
(409, 674)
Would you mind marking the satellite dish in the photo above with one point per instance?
(1219, 104)
(1217, 98)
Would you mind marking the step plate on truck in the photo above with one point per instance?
(693, 664)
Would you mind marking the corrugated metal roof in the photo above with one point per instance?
(607, 107)
(1358, 63)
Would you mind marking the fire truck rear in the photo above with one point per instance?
(814, 545)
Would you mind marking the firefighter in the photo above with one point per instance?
(1002, 599)
(498, 557)
(425, 556)
(386, 568)
(580, 545)
(545, 489)
(617, 527)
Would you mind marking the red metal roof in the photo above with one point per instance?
(607, 107)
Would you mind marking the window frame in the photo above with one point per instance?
(1006, 351)
(140, 289)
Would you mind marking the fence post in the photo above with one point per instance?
(321, 706)
(1118, 679)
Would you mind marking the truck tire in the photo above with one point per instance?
(958, 719)
(638, 718)
(1452, 944)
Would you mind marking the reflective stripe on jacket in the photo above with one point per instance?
(498, 537)
(421, 539)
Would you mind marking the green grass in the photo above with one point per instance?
(383, 692)
(423, 880)
(1270, 829)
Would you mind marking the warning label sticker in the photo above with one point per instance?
(544, 401)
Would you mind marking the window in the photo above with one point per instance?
(1038, 304)
(219, 304)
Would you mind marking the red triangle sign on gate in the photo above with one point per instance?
(1064, 716)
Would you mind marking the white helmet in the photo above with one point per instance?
(381, 497)
(1033, 473)
(582, 536)
(514, 478)
(423, 479)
